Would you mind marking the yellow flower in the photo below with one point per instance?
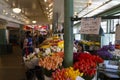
(45, 46)
(61, 44)
(72, 74)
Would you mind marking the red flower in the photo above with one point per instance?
(87, 64)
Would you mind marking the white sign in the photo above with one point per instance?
(117, 33)
(90, 25)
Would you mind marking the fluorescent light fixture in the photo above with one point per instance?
(50, 10)
(50, 4)
(16, 10)
(51, 13)
(34, 22)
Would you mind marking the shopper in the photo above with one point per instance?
(80, 48)
(28, 44)
(36, 40)
(41, 38)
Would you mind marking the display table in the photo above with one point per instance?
(108, 74)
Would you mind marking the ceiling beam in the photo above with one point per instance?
(111, 11)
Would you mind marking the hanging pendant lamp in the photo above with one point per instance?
(16, 7)
(16, 10)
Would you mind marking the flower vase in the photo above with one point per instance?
(95, 77)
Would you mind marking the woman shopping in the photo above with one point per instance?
(28, 44)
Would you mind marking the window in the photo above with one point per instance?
(116, 21)
(104, 26)
(77, 36)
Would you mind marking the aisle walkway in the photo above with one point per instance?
(11, 67)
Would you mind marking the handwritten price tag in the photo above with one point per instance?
(90, 25)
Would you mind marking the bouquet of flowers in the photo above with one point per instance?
(52, 62)
(66, 74)
(87, 64)
(105, 51)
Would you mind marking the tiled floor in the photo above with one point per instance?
(11, 67)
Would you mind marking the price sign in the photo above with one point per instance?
(117, 34)
(90, 25)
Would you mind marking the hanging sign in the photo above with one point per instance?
(90, 25)
(117, 34)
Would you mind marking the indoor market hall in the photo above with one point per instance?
(59, 39)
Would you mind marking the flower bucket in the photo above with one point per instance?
(48, 73)
(95, 77)
(47, 78)
(106, 62)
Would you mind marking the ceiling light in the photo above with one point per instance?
(50, 10)
(40, 26)
(13, 16)
(89, 2)
(16, 10)
(6, 13)
(34, 22)
(45, 0)
(50, 4)
(46, 8)
(51, 13)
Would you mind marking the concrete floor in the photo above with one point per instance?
(11, 67)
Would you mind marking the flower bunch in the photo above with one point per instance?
(105, 51)
(87, 64)
(75, 56)
(89, 43)
(51, 62)
(66, 74)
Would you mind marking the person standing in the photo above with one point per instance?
(28, 44)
